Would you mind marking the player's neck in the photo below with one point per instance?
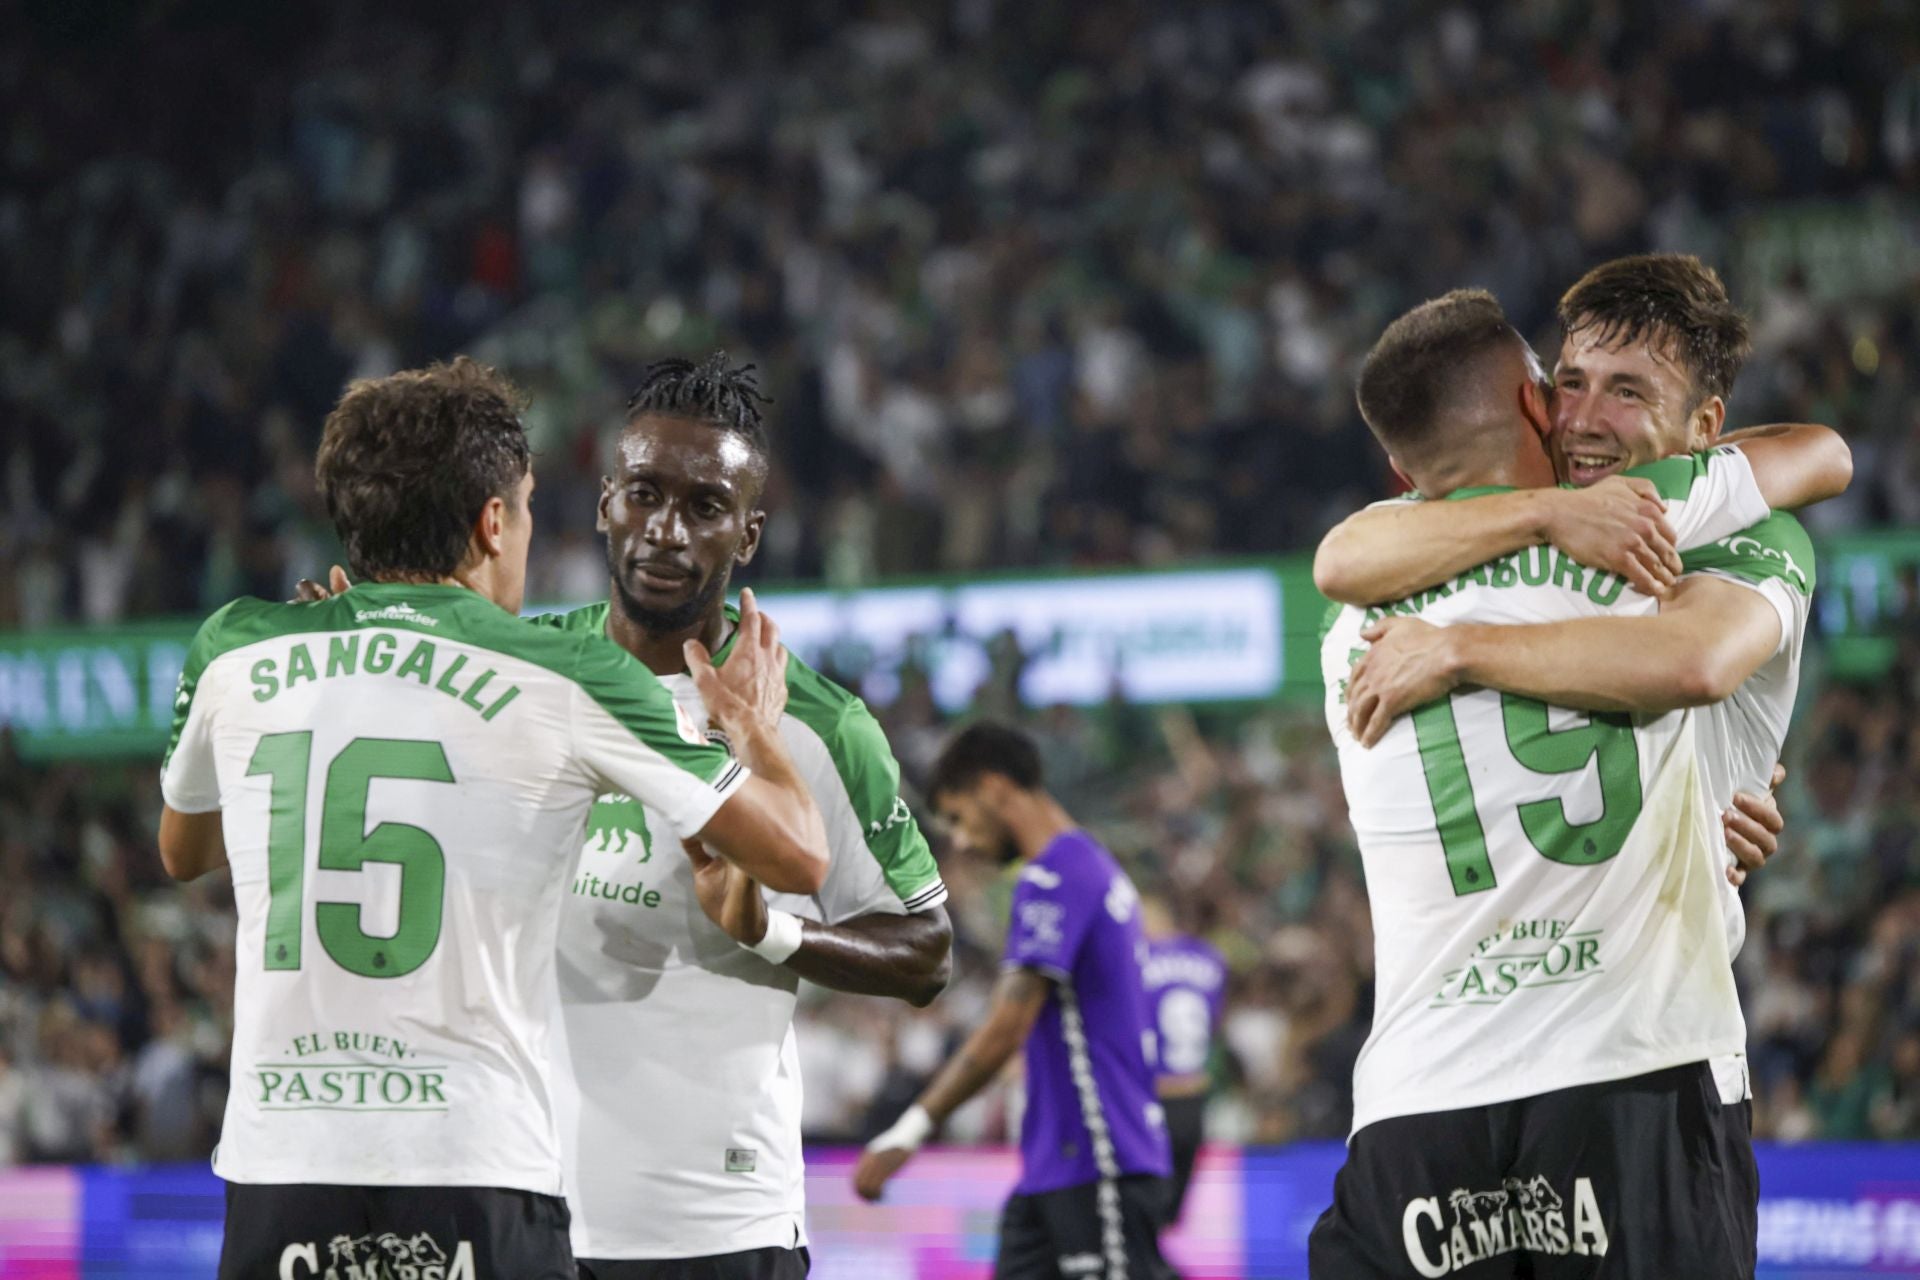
(1035, 820)
(663, 651)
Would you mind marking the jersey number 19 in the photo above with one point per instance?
(1605, 740)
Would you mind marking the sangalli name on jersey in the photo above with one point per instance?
(346, 656)
(1536, 566)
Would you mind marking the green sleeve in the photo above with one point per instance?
(1673, 477)
(207, 645)
(1775, 548)
(864, 761)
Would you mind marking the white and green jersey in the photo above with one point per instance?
(403, 773)
(1545, 883)
(1740, 738)
(679, 1076)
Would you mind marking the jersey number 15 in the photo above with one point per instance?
(347, 845)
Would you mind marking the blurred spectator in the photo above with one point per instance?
(1030, 284)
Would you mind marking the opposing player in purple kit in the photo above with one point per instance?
(1186, 982)
(1093, 1142)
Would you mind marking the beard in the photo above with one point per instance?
(664, 621)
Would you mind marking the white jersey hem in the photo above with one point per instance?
(1416, 1104)
(777, 1234)
(319, 1175)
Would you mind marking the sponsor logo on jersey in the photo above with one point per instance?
(898, 816)
(387, 1256)
(402, 612)
(1523, 955)
(1444, 1235)
(1122, 899)
(324, 1071)
(617, 824)
(613, 824)
(1741, 544)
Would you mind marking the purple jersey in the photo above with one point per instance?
(1186, 981)
(1091, 1113)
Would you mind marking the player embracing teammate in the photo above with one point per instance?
(1540, 763)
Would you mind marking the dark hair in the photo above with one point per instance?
(1426, 363)
(1671, 301)
(982, 748)
(712, 391)
(406, 463)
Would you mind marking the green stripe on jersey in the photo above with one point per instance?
(1777, 547)
(618, 683)
(867, 769)
(854, 741)
(1674, 478)
(204, 649)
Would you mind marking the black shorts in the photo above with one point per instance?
(1650, 1178)
(753, 1264)
(1186, 1127)
(1094, 1231)
(426, 1233)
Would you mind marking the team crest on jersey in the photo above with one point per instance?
(1443, 1237)
(387, 1256)
(1043, 921)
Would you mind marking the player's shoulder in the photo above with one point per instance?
(816, 694)
(590, 619)
(1675, 478)
(1071, 856)
(1777, 548)
(836, 715)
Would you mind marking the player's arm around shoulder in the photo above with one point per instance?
(1392, 549)
(1796, 464)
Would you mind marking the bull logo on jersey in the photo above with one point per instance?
(1474, 1226)
(387, 1256)
(614, 821)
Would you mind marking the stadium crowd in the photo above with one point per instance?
(1031, 285)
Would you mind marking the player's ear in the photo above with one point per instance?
(490, 530)
(600, 509)
(1703, 432)
(750, 540)
(1535, 408)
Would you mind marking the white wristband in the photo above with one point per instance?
(781, 939)
(914, 1127)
